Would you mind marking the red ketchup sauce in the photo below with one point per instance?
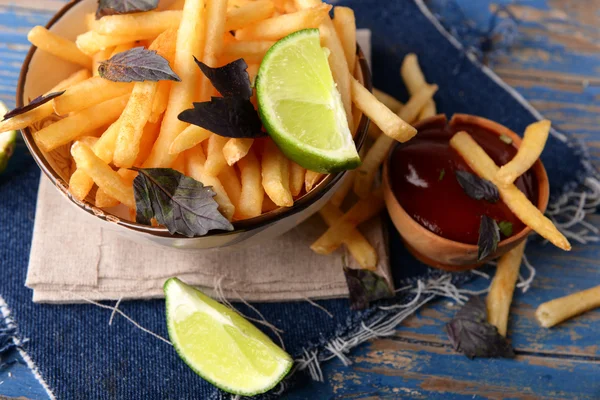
(434, 198)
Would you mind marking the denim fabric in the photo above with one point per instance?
(82, 357)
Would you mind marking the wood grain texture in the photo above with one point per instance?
(555, 64)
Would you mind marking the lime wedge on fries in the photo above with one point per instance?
(7, 142)
(301, 107)
(220, 345)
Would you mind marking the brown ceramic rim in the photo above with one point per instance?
(538, 170)
(250, 224)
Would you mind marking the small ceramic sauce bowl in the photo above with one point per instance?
(436, 250)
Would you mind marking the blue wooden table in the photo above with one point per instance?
(555, 64)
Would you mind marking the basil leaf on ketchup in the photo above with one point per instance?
(506, 228)
(489, 236)
(476, 187)
(471, 334)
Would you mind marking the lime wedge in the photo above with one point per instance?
(301, 107)
(220, 345)
(7, 142)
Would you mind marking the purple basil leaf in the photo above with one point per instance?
(112, 7)
(179, 202)
(231, 80)
(471, 334)
(35, 103)
(476, 187)
(137, 65)
(232, 117)
(365, 286)
(489, 236)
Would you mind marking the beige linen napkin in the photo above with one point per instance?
(73, 260)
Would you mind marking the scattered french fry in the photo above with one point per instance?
(88, 93)
(275, 175)
(105, 146)
(236, 149)
(414, 80)
(297, 174)
(148, 138)
(251, 52)
(104, 200)
(195, 160)
(357, 244)
(190, 38)
(216, 11)
(365, 176)
(362, 211)
(145, 24)
(528, 153)
(90, 21)
(387, 100)
(252, 195)
(517, 202)
(502, 288)
(215, 159)
(558, 310)
(278, 27)
(175, 5)
(78, 124)
(190, 137)
(92, 42)
(102, 174)
(45, 110)
(229, 178)
(248, 14)
(58, 46)
(180, 164)
(311, 179)
(161, 99)
(345, 26)
(342, 192)
(123, 47)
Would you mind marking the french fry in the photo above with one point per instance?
(517, 202)
(190, 137)
(311, 179)
(248, 14)
(414, 80)
(558, 310)
(104, 200)
(278, 27)
(105, 146)
(190, 40)
(195, 160)
(148, 138)
(251, 52)
(123, 47)
(80, 123)
(80, 184)
(216, 11)
(100, 56)
(90, 21)
(231, 183)
(252, 194)
(236, 149)
(161, 99)
(339, 66)
(88, 93)
(275, 175)
(102, 174)
(391, 124)
(503, 285)
(340, 195)
(374, 132)
(268, 205)
(180, 164)
(387, 100)
(528, 153)
(297, 174)
(365, 176)
(360, 248)
(45, 110)
(345, 26)
(215, 160)
(92, 42)
(175, 5)
(362, 211)
(145, 24)
(58, 46)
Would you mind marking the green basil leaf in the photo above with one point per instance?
(112, 7)
(506, 139)
(476, 187)
(178, 202)
(506, 228)
(489, 236)
(365, 286)
(471, 334)
(442, 174)
(137, 65)
(35, 103)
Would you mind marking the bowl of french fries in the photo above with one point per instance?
(92, 136)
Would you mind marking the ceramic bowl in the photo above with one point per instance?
(41, 71)
(435, 250)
